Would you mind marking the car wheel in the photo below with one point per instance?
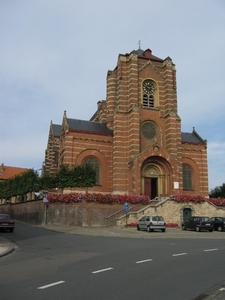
(11, 230)
(138, 228)
(197, 229)
(220, 228)
(210, 230)
(163, 230)
(183, 227)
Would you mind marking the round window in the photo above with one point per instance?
(148, 129)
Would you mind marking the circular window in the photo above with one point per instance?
(148, 129)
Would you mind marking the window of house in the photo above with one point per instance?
(95, 165)
(148, 93)
(187, 178)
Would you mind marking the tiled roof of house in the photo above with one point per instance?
(88, 126)
(7, 172)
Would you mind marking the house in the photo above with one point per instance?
(7, 172)
(134, 139)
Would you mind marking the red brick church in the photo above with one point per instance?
(134, 139)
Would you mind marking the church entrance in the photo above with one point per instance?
(150, 187)
(156, 177)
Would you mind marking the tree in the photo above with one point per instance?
(67, 177)
(63, 177)
(218, 191)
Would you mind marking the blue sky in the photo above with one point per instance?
(55, 54)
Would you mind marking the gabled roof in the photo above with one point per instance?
(7, 172)
(191, 138)
(88, 126)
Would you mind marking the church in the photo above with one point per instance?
(134, 140)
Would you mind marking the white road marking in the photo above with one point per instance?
(49, 285)
(143, 261)
(207, 250)
(103, 270)
(179, 254)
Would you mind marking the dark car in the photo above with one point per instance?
(219, 223)
(151, 223)
(6, 223)
(198, 224)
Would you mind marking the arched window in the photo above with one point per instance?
(95, 165)
(187, 178)
(148, 89)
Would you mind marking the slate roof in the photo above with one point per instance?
(56, 129)
(191, 138)
(101, 128)
(6, 171)
(141, 52)
(88, 126)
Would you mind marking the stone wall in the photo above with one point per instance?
(83, 214)
(97, 215)
(172, 211)
(29, 211)
(78, 214)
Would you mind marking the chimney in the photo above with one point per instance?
(148, 53)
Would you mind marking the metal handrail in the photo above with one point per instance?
(117, 212)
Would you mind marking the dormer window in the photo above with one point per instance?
(148, 93)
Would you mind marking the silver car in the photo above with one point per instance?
(151, 223)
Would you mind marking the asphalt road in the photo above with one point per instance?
(52, 265)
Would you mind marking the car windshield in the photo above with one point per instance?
(4, 217)
(157, 218)
(206, 219)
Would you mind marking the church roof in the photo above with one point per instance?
(145, 54)
(56, 129)
(191, 138)
(88, 126)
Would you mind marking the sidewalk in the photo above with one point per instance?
(215, 293)
(6, 246)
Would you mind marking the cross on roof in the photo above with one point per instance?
(139, 43)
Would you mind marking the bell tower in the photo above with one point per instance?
(141, 110)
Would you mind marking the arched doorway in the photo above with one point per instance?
(156, 177)
(151, 176)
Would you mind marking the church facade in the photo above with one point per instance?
(134, 139)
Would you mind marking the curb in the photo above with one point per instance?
(8, 251)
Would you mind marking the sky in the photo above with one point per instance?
(55, 55)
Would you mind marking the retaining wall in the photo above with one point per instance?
(97, 215)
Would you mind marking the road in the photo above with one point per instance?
(52, 265)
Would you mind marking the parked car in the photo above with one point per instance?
(198, 224)
(6, 223)
(151, 223)
(219, 223)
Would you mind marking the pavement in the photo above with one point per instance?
(214, 293)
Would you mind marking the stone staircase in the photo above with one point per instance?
(136, 209)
